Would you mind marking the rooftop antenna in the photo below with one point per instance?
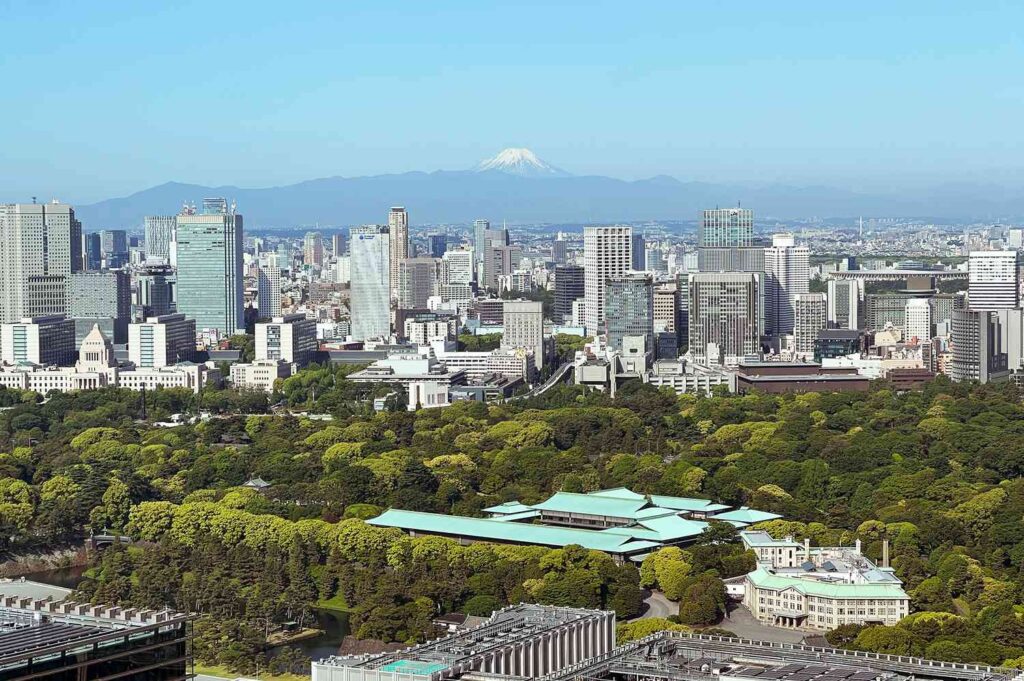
(33, 199)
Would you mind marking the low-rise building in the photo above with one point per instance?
(426, 380)
(689, 377)
(819, 588)
(261, 374)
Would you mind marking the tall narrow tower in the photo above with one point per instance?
(398, 226)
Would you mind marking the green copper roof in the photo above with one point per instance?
(591, 504)
(746, 515)
(618, 493)
(416, 667)
(503, 531)
(687, 504)
(765, 579)
(507, 508)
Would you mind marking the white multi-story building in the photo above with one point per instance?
(40, 246)
(48, 341)
(259, 374)
(268, 287)
(343, 269)
(919, 321)
(476, 365)
(788, 274)
(162, 341)
(458, 267)
(398, 227)
(425, 378)
(688, 377)
(159, 233)
(424, 331)
(607, 253)
(291, 338)
(370, 301)
(993, 280)
(523, 322)
(820, 588)
(809, 313)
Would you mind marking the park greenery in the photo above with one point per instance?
(936, 473)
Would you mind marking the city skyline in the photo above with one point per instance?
(865, 100)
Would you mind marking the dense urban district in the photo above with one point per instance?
(616, 446)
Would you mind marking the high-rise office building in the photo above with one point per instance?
(338, 244)
(500, 260)
(290, 338)
(845, 303)
(398, 226)
(159, 235)
(154, 291)
(458, 267)
(986, 345)
(629, 310)
(919, 321)
(726, 312)
(480, 228)
(667, 309)
(523, 322)
(418, 280)
(370, 301)
(993, 280)
(809, 318)
(92, 251)
(162, 341)
(725, 242)
(40, 246)
(268, 287)
(788, 270)
(559, 251)
(570, 285)
(209, 252)
(438, 245)
(607, 253)
(639, 247)
(47, 340)
(114, 245)
(313, 249)
(101, 299)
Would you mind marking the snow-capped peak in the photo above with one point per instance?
(518, 161)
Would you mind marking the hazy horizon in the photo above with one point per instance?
(873, 97)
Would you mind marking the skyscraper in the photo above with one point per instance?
(155, 291)
(418, 279)
(808, 319)
(338, 247)
(159, 235)
(313, 249)
(725, 310)
(639, 250)
(500, 260)
(788, 269)
(845, 309)
(480, 228)
(398, 226)
(629, 310)
(370, 302)
(559, 251)
(103, 299)
(458, 267)
(268, 287)
(570, 285)
(210, 284)
(993, 280)
(607, 253)
(725, 242)
(40, 246)
(919, 321)
(92, 251)
(523, 328)
(114, 245)
(438, 245)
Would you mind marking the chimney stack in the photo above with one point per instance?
(885, 553)
(807, 549)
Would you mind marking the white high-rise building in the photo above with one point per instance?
(159, 235)
(607, 253)
(343, 269)
(524, 328)
(40, 246)
(269, 287)
(291, 338)
(162, 341)
(919, 321)
(370, 301)
(993, 280)
(808, 319)
(458, 267)
(788, 270)
(398, 226)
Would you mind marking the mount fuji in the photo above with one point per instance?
(520, 162)
(518, 186)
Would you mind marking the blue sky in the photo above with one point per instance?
(106, 98)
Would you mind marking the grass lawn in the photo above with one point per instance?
(226, 673)
(334, 603)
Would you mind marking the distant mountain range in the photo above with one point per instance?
(518, 187)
